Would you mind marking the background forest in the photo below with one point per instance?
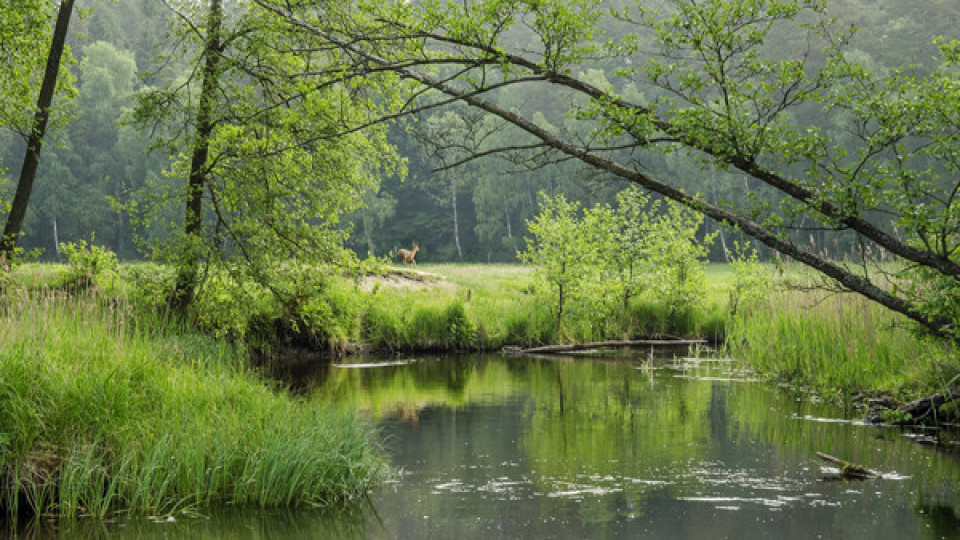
(475, 211)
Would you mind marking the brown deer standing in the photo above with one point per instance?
(407, 255)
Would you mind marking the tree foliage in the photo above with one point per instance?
(597, 260)
(760, 87)
(269, 142)
(21, 31)
(561, 251)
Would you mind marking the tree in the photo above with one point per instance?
(18, 208)
(670, 254)
(271, 147)
(560, 251)
(717, 85)
(629, 250)
(599, 259)
(22, 33)
(188, 268)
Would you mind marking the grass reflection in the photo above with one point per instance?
(597, 442)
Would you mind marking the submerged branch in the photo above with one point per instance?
(612, 343)
(849, 470)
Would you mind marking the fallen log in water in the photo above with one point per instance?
(559, 349)
(921, 411)
(849, 470)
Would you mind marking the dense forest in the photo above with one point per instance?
(99, 161)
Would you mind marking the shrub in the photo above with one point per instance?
(460, 332)
(88, 265)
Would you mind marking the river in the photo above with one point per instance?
(630, 446)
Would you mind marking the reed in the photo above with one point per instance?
(839, 342)
(106, 412)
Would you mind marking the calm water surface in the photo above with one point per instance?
(632, 447)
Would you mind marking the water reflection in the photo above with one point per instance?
(588, 448)
(350, 521)
(493, 447)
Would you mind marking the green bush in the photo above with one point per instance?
(383, 327)
(224, 306)
(460, 332)
(593, 263)
(88, 266)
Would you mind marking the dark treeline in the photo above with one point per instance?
(457, 210)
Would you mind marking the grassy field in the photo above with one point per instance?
(507, 306)
(511, 279)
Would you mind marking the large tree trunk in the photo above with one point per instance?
(31, 160)
(188, 270)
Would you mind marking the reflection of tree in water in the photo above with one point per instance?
(404, 390)
(608, 439)
(943, 519)
(613, 422)
(717, 413)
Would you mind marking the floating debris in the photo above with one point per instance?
(847, 470)
(375, 364)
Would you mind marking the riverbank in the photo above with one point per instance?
(111, 404)
(780, 325)
(106, 410)
(772, 318)
(450, 307)
(842, 346)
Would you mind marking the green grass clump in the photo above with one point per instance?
(508, 307)
(104, 413)
(408, 321)
(839, 343)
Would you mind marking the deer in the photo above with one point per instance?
(407, 255)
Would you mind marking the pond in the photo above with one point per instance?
(631, 446)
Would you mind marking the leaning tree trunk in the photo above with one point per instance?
(941, 263)
(188, 270)
(31, 160)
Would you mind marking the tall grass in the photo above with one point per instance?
(102, 413)
(839, 342)
(469, 307)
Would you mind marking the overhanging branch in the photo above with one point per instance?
(844, 277)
